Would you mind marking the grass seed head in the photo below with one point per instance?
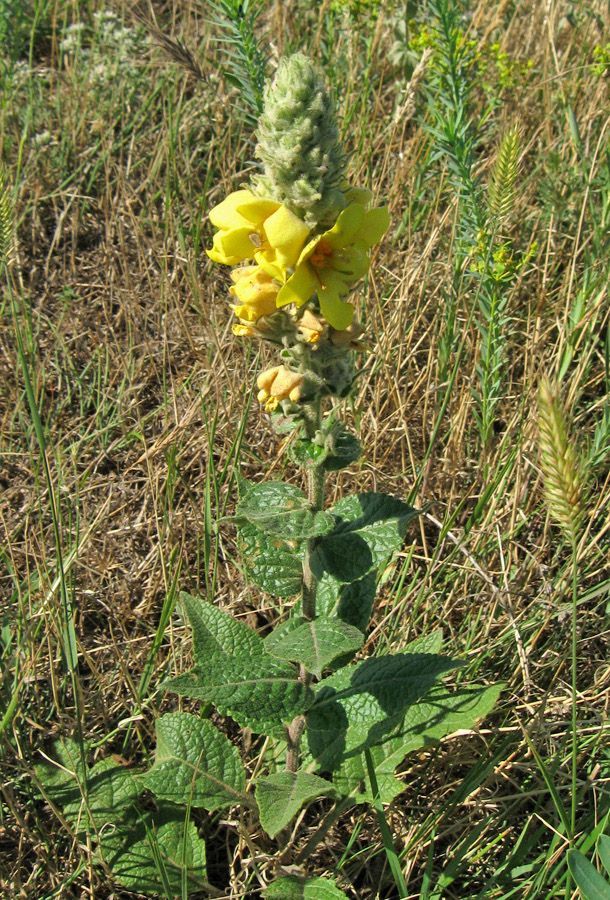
(562, 472)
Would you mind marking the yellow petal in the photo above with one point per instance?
(359, 195)
(266, 378)
(351, 265)
(242, 272)
(250, 312)
(243, 330)
(266, 259)
(256, 209)
(248, 291)
(233, 245)
(286, 234)
(337, 312)
(299, 287)
(346, 227)
(375, 226)
(225, 215)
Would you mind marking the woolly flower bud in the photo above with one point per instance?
(298, 144)
(276, 384)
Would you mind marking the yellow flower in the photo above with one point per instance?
(329, 264)
(256, 291)
(311, 327)
(251, 227)
(278, 384)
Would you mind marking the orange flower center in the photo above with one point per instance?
(321, 254)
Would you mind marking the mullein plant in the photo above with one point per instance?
(334, 725)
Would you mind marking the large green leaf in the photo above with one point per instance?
(291, 887)
(194, 762)
(284, 511)
(359, 705)
(377, 520)
(315, 644)
(148, 851)
(269, 562)
(282, 795)
(591, 884)
(234, 672)
(216, 632)
(145, 850)
(441, 712)
(351, 602)
(343, 449)
(264, 695)
(87, 803)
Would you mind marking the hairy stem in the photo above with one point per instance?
(315, 493)
(295, 730)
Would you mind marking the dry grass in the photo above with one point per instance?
(142, 390)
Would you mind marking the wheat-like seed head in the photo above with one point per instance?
(562, 475)
(501, 191)
(7, 222)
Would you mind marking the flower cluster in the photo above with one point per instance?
(294, 272)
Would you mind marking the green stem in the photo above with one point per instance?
(574, 694)
(315, 494)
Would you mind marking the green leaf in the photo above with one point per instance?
(195, 763)
(370, 528)
(305, 453)
(264, 695)
(284, 511)
(343, 557)
(591, 884)
(344, 449)
(149, 849)
(145, 851)
(216, 632)
(341, 448)
(440, 713)
(603, 851)
(315, 644)
(269, 562)
(356, 707)
(108, 790)
(281, 796)
(291, 887)
(351, 602)
(234, 672)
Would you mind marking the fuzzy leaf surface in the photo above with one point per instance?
(358, 706)
(262, 695)
(110, 788)
(351, 602)
(284, 511)
(234, 672)
(370, 528)
(216, 633)
(269, 562)
(194, 761)
(345, 450)
(315, 644)
(282, 795)
(440, 713)
(145, 847)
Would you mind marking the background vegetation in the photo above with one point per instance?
(126, 405)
